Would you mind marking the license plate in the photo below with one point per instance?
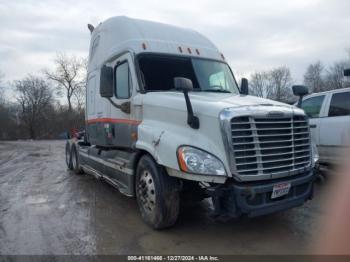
(280, 190)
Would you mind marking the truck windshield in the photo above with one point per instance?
(158, 74)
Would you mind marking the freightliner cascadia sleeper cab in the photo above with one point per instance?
(166, 121)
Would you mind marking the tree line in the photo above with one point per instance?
(39, 110)
(276, 83)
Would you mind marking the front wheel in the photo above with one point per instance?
(157, 194)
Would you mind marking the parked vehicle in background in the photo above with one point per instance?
(165, 119)
(329, 116)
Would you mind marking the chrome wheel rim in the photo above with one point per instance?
(147, 192)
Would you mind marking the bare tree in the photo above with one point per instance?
(80, 94)
(1, 88)
(335, 76)
(69, 75)
(314, 78)
(281, 81)
(273, 84)
(260, 84)
(34, 97)
(79, 97)
(6, 114)
(8, 129)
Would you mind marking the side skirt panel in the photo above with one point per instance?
(113, 166)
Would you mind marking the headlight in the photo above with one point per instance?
(315, 156)
(193, 160)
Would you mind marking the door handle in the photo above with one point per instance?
(313, 126)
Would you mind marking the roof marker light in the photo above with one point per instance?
(197, 51)
(144, 46)
(180, 49)
(189, 50)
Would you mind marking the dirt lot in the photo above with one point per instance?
(46, 209)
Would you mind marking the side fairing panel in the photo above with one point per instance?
(97, 107)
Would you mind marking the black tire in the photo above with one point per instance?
(75, 161)
(160, 208)
(68, 156)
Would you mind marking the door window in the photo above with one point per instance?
(340, 104)
(122, 81)
(312, 106)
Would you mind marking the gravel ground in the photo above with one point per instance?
(46, 209)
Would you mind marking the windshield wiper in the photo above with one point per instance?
(216, 91)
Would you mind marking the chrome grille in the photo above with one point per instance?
(270, 145)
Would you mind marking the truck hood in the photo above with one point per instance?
(205, 103)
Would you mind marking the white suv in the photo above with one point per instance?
(329, 114)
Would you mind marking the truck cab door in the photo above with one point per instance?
(313, 108)
(335, 127)
(123, 125)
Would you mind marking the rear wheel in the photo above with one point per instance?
(157, 194)
(75, 161)
(68, 156)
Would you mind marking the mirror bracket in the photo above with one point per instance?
(192, 120)
(124, 107)
(185, 85)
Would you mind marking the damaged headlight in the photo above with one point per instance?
(193, 160)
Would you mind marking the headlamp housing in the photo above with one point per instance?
(197, 161)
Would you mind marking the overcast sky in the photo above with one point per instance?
(253, 35)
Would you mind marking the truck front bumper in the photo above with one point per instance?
(254, 199)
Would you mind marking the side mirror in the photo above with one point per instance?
(347, 72)
(301, 91)
(106, 82)
(244, 86)
(183, 84)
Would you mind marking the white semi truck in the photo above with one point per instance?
(166, 120)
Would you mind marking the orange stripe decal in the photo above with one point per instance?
(113, 120)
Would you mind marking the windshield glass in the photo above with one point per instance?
(214, 76)
(158, 73)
